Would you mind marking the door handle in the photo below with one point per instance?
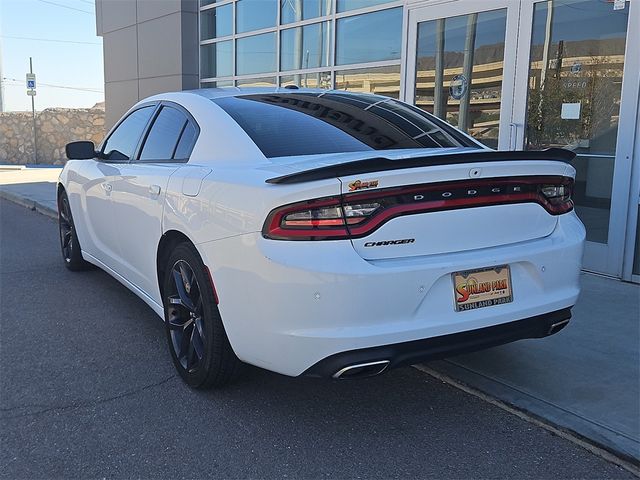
(513, 136)
(107, 187)
(154, 190)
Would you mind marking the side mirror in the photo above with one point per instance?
(80, 150)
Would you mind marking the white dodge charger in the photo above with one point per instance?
(321, 233)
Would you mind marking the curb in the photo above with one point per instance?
(11, 168)
(606, 453)
(30, 204)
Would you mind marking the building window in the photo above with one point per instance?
(344, 5)
(307, 80)
(216, 59)
(379, 80)
(257, 82)
(370, 37)
(256, 54)
(255, 14)
(349, 50)
(305, 47)
(298, 10)
(216, 22)
(218, 84)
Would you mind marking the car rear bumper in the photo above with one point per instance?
(417, 351)
(287, 306)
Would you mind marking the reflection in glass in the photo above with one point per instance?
(255, 14)
(369, 37)
(459, 71)
(305, 47)
(257, 82)
(217, 22)
(307, 80)
(575, 83)
(297, 10)
(379, 80)
(256, 54)
(310, 123)
(344, 5)
(216, 59)
(217, 84)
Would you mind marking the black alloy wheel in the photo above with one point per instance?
(185, 321)
(71, 252)
(198, 342)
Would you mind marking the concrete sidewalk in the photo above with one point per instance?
(33, 187)
(585, 379)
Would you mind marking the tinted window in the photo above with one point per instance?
(164, 135)
(216, 59)
(305, 47)
(185, 145)
(217, 22)
(255, 14)
(344, 5)
(369, 37)
(307, 124)
(123, 141)
(303, 10)
(256, 54)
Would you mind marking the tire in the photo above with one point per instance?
(69, 244)
(196, 337)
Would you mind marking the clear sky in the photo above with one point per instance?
(56, 61)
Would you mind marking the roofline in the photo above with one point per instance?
(222, 92)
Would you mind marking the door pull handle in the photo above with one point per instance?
(513, 136)
(154, 190)
(107, 187)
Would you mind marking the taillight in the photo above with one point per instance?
(357, 215)
(318, 219)
(558, 196)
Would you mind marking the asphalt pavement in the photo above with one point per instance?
(87, 389)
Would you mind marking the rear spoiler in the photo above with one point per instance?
(380, 164)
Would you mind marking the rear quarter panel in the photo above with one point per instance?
(232, 201)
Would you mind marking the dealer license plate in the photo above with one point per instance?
(483, 287)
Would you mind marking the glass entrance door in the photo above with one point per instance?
(460, 69)
(532, 74)
(570, 94)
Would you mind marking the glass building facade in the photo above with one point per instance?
(348, 44)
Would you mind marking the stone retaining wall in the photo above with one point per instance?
(55, 127)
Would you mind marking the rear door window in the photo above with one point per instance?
(122, 143)
(164, 135)
(186, 142)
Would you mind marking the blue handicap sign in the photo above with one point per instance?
(31, 84)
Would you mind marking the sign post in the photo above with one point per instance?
(31, 91)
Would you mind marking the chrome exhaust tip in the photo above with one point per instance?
(362, 370)
(556, 327)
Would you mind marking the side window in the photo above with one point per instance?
(122, 143)
(164, 135)
(187, 140)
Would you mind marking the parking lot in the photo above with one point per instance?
(88, 390)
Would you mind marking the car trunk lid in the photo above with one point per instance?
(476, 205)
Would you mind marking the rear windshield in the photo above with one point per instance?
(283, 125)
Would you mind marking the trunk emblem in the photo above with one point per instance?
(384, 243)
(360, 185)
